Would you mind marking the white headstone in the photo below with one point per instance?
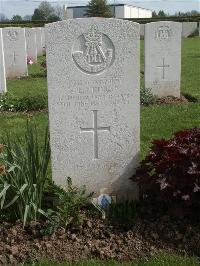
(93, 88)
(199, 28)
(163, 58)
(39, 41)
(15, 52)
(43, 39)
(31, 43)
(2, 66)
(188, 28)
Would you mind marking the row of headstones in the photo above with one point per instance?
(93, 70)
(30, 42)
(17, 47)
(188, 28)
(162, 55)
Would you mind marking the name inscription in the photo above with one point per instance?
(91, 96)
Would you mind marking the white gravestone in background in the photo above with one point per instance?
(43, 39)
(31, 45)
(163, 58)
(2, 66)
(15, 53)
(39, 41)
(94, 109)
(188, 28)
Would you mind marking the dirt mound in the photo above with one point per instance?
(97, 239)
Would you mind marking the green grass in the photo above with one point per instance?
(162, 121)
(161, 260)
(15, 124)
(32, 85)
(190, 76)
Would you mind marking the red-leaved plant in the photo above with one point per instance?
(171, 172)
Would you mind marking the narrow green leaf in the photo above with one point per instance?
(25, 214)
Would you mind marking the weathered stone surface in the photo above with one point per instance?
(199, 28)
(31, 45)
(188, 28)
(2, 66)
(163, 58)
(39, 41)
(93, 88)
(43, 39)
(15, 52)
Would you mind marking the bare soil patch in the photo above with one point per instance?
(97, 239)
(172, 100)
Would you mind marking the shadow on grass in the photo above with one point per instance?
(190, 98)
(38, 75)
(34, 75)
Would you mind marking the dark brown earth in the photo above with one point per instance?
(98, 239)
(172, 99)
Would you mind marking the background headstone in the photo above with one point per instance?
(31, 43)
(188, 28)
(163, 58)
(15, 53)
(199, 28)
(39, 41)
(43, 39)
(2, 66)
(94, 109)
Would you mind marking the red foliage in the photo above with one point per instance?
(171, 171)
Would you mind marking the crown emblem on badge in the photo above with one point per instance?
(93, 35)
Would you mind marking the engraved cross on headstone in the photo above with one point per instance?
(95, 130)
(163, 68)
(14, 58)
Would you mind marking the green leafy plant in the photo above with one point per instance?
(22, 184)
(146, 97)
(123, 213)
(44, 66)
(24, 104)
(68, 203)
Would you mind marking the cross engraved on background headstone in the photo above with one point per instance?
(95, 130)
(163, 68)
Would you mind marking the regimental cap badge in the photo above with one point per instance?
(163, 33)
(93, 52)
(12, 35)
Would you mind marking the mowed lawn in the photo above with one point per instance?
(156, 121)
(161, 260)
